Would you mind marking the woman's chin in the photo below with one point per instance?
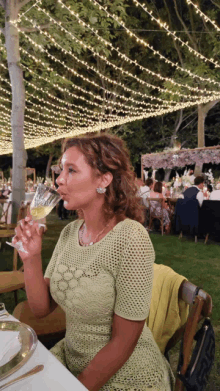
(66, 205)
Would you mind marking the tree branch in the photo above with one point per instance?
(217, 5)
(192, 22)
(2, 3)
(189, 123)
(208, 106)
(22, 4)
(31, 29)
(184, 26)
(180, 121)
(174, 41)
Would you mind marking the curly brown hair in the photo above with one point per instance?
(158, 187)
(108, 153)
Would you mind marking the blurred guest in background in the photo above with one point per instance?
(209, 188)
(215, 194)
(145, 191)
(195, 191)
(191, 176)
(156, 206)
(147, 187)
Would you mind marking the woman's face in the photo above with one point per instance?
(77, 181)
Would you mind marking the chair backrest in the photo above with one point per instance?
(152, 204)
(159, 200)
(186, 293)
(200, 307)
(209, 217)
(187, 215)
(4, 207)
(22, 213)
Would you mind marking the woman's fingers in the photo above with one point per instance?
(21, 233)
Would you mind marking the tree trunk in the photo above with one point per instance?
(203, 110)
(48, 165)
(167, 174)
(201, 125)
(18, 106)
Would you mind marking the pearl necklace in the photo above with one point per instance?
(91, 243)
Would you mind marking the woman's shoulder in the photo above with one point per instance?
(133, 234)
(130, 227)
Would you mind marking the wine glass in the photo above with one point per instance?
(45, 199)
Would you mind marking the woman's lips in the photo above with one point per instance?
(62, 195)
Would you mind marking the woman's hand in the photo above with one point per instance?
(30, 234)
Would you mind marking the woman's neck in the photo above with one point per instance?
(94, 218)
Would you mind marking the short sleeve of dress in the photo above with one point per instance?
(63, 236)
(134, 279)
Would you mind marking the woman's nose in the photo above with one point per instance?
(60, 180)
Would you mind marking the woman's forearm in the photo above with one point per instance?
(105, 364)
(36, 288)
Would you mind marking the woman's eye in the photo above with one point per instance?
(71, 170)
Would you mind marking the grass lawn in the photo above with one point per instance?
(198, 262)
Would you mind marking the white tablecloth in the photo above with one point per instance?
(54, 377)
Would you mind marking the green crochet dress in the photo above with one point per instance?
(92, 283)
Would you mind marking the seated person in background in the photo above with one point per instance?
(195, 191)
(156, 207)
(166, 192)
(209, 188)
(139, 182)
(145, 190)
(191, 176)
(215, 194)
(2, 196)
(6, 193)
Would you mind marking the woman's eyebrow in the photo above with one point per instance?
(70, 164)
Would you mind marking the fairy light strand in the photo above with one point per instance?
(42, 90)
(122, 70)
(204, 16)
(123, 56)
(112, 81)
(146, 44)
(92, 82)
(176, 38)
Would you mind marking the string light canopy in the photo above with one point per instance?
(69, 93)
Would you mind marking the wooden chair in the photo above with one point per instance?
(6, 230)
(4, 208)
(200, 308)
(52, 327)
(153, 215)
(187, 218)
(11, 281)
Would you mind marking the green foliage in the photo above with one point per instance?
(148, 135)
(53, 148)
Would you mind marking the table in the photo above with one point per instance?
(54, 377)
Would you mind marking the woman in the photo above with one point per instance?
(100, 273)
(156, 206)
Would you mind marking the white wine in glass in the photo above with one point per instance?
(45, 199)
